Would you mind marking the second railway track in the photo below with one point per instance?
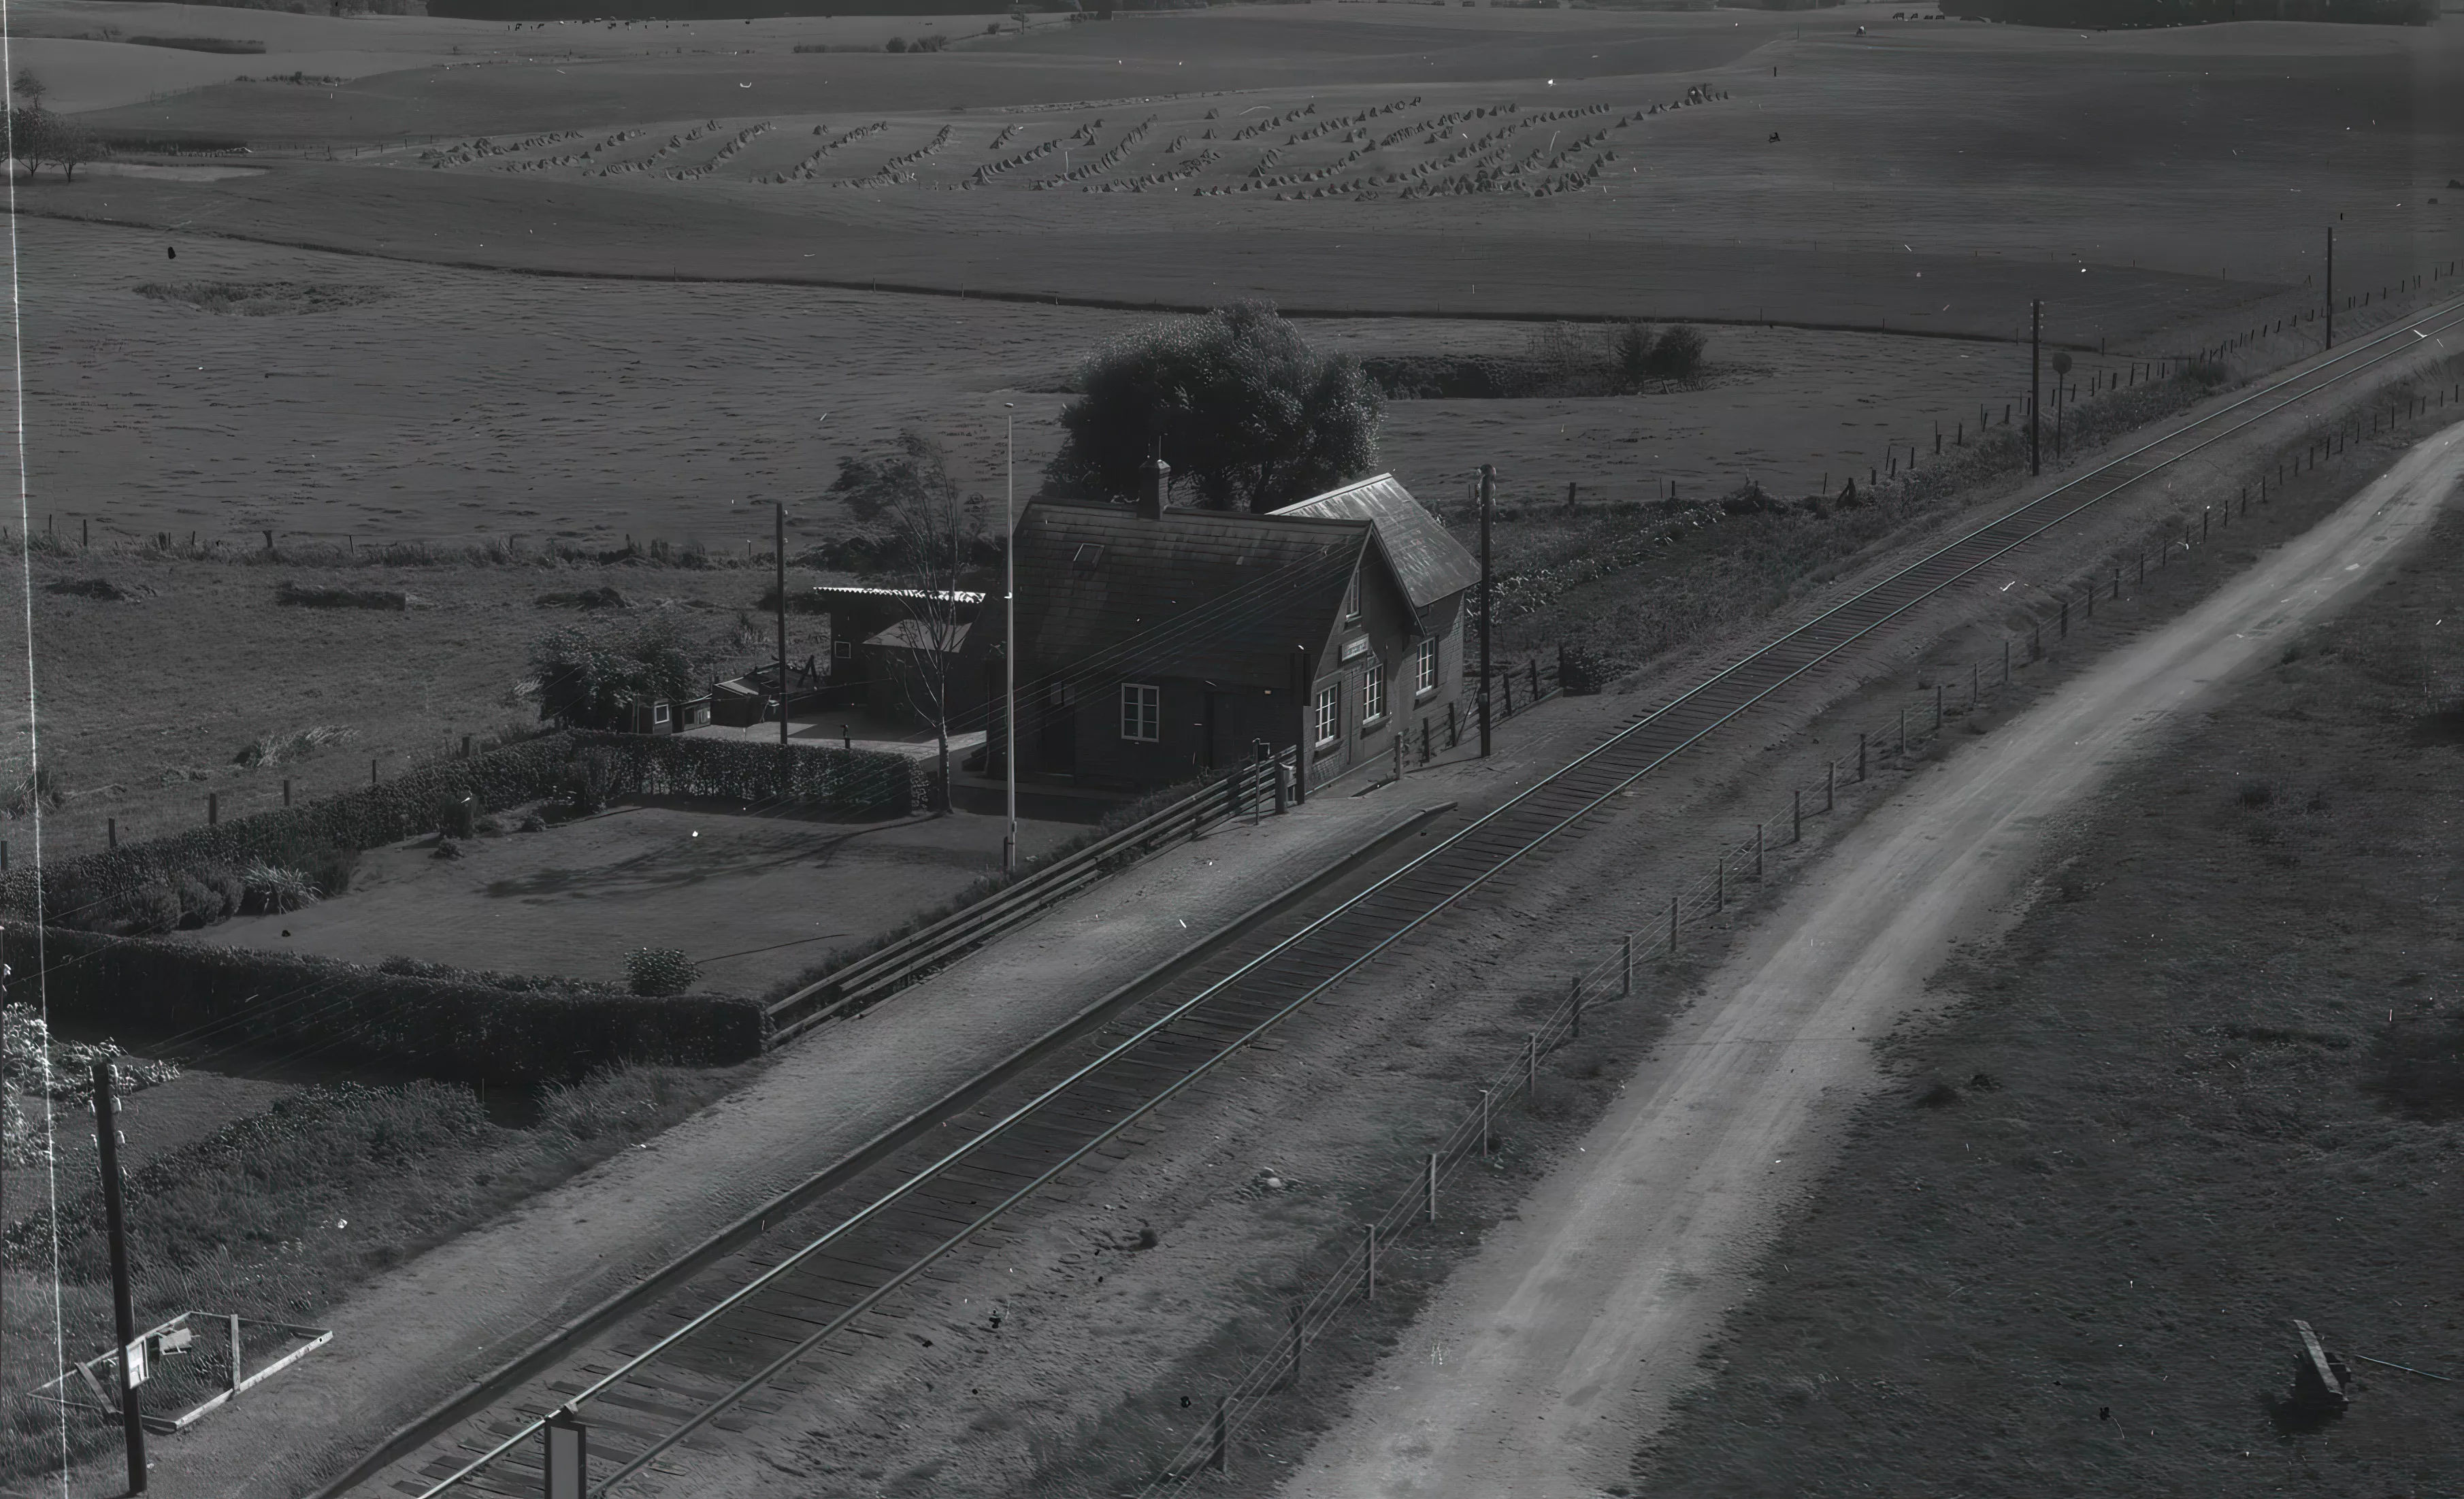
(676, 1371)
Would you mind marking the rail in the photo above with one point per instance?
(819, 1292)
(916, 956)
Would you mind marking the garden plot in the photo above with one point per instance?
(751, 900)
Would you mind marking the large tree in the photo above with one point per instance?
(1247, 414)
(932, 536)
(594, 679)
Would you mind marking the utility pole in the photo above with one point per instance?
(2036, 383)
(782, 541)
(1487, 497)
(2331, 289)
(123, 1314)
(1009, 638)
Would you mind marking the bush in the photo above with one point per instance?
(149, 910)
(315, 596)
(895, 44)
(201, 901)
(276, 889)
(659, 971)
(1678, 355)
(330, 869)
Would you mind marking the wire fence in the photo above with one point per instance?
(1738, 870)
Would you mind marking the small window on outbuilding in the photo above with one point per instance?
(842, 650)
(1141, 712)
(1426, 682)
(659, 713)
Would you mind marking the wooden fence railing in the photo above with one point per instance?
(879, 973)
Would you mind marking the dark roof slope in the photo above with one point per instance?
(1431, 562)
(1198, 593)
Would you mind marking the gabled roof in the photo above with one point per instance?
(1431, 562)
(1212, 594)
(916, 635)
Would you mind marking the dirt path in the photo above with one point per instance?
(1546, 1360)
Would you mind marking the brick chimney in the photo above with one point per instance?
(1154, 480)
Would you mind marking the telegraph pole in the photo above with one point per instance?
(2331, 289)
(1009, 638)
(123, 1314)
(785, 780)
(2036, 382)
(1487, 497)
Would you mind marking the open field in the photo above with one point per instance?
(2222, 1095)
(754, 900)
(583, 412)
(1918, 149)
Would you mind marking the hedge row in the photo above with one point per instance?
(871, 782)
(456, 1030)
(534, 770)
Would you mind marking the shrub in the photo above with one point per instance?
(895, 44)
(201, 901)
(330, 869)
(1677, 355)
(657, 971)
(276, 889)
(316, 596)
(149, 909)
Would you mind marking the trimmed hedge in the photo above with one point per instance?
(534, 770)
(459, 1031)
(871, 781)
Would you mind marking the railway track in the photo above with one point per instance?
(706, 1361)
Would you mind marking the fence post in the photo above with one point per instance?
(1796, 815)
(1831, 786)
(1860, 756)
(1720, 883)
(1299, 1315)
(1904, 734)
(2065, 633)
(1758, 854)
(1574, 998)
(1672, 918)
(1626, 966)
(1433, 1157)
(1531, 1073)
(1483, 1138)
(1218, 1447)
(234, 1345)
(1937, 707)
(1370, 1282)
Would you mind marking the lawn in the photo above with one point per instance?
(752, 901)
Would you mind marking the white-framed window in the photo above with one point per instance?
(1373, 695)
(1425, 681)
(1141, 712)
(659, 713)
(842, 650)
(1329, 713)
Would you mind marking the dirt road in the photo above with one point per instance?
(1546, 1362)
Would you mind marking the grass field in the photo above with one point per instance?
(2207, 1086)
(277, 1215)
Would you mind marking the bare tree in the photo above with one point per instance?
(933, 535)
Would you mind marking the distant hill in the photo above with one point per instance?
(718, 9)
(2129, 15)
